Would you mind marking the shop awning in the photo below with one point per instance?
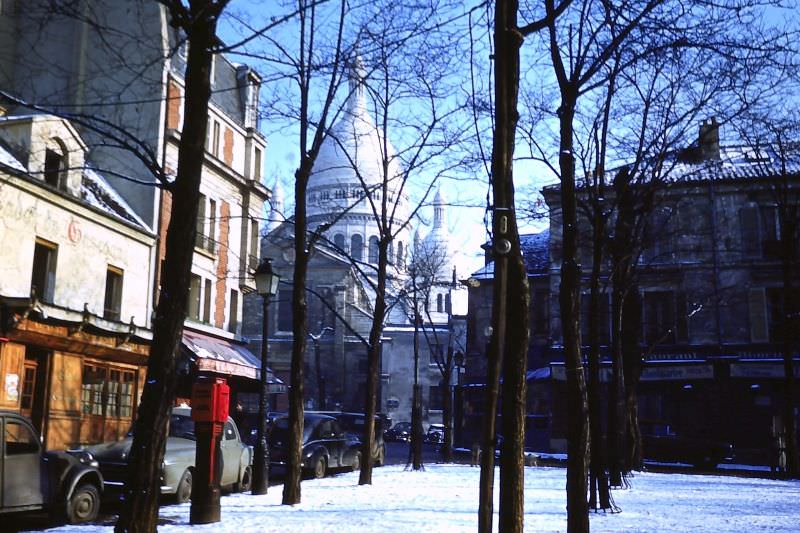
(227, 358)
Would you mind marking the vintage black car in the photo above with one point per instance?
(660, 443)
(353, 426)
(400, 432)
(68, 485)
(325, 445)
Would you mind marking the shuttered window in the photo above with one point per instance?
(758, 315)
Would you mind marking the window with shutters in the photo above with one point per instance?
(658, 237)
(750, 222)
(233, 312)
(113, 298)
(193, 305)
(664, 317)
(758, 315)
(770, 232)
(605, 319)
(207, 301)
(43, 277)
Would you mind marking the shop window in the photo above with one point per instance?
(107, 391)
(193, 305)
(113, 299)
(43, 280)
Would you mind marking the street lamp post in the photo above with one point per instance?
(267, 286)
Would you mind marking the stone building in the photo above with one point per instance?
(75, 279)
(710, 283)
(343, 191)
(117, 66)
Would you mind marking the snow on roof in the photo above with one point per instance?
(7, 159)
(735, 162)
(97, 192)
(535, 251)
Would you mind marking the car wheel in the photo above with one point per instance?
(183, 493)
(381, 456)
(355, 463)
(320, 466)
(246, 482)
(84, 504)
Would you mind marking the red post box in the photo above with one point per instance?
(211, 400)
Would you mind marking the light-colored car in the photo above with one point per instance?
(179, 458)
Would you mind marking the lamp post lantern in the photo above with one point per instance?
(266, 285)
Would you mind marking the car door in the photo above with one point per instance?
(231, 453)
(23, 482)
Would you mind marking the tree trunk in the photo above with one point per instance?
(507, 41)
(374, 354)
(447, 407)
(415, 446)
(569, 301)
(632, 371)
(599, 493)
(789, 236)
(142, 489)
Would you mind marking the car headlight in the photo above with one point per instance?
(84, 457)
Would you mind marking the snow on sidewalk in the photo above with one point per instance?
(444, 498)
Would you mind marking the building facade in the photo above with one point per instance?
(709, 276)
(117, 67)
(74, 287)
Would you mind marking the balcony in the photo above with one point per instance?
(206, 244)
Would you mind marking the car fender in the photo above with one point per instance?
(245, 459)
(78, 475)
(314, 452)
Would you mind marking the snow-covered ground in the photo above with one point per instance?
(444, 498)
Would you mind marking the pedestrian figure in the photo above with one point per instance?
(778, 455)
(475, 457)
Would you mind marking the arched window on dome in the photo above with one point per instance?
(390, 253)
(447, 305)
(400, 258)
(439, 306)
(338, 241)
(357, 247)
(373, 250)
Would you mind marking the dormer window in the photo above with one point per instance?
(55, 168)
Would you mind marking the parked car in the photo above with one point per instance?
(178, 468)
(400, 432)
(435, 434)
(353, 426)
(68, 485)
(661, 443)
(325, 445)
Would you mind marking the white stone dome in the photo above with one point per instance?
(350, 162)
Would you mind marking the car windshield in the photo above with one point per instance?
(181, 426)
(279, 432)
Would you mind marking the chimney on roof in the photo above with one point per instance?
(709, 139)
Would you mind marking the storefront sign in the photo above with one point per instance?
(760, 370)
(677, 372)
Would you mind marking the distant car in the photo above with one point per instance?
(178, 469)
(67, 484)
(353, 426)
(435, 434)
(661, 443)
(400, 432)
(325, 445)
